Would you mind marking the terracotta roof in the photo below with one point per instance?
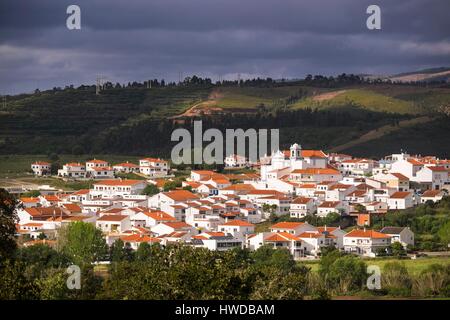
(119, 182)
(181, 195)
(97, 161)
(139, 238)
(415, 162)
(431, 193)
(400, 195)
(177, 225)
(41, 163)
(126, 164)
(73, 208)
(287, 225)
(112, 217)
(282, 237)
(438, 169)
(268, 192)
(360, 233)
(313, 154)
(238, 223)
(160, 216)
(82, 191)
(329, 204)
(240, 187)
(29, 200)
(399, 176)
(311, 235)
(315, 171)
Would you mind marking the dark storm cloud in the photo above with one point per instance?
(135, 40)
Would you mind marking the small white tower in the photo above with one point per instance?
(296, 152)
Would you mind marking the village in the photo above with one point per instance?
(222, 211)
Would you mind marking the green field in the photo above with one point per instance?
(414, 267)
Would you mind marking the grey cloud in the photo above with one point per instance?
(284, 38)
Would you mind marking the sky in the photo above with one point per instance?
(136, 40)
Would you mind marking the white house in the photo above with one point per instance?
(96, 163)
(150, 219)
(327, 207)
(400, 200)
(166, 228)
(432, 195)
(100, 173)
(301, 207)
(153, 167)
(118, 187)
(404, 235)
(113, 223)
(41, 168)
(365, 242)
(72, 170)
(235, 161)
(126, 167)
(294, 228)
(237, 228)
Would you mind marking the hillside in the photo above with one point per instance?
(139, 120)
(426, 75)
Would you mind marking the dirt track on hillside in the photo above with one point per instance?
(328, 95)
(380, 132)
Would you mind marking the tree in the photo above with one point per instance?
(143, 252)
(398, 250)
(82, 242)
(116, 251)
(8, 220)
(150, 190)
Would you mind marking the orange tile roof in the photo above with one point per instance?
(400, 195)
(126, 164)
(159, 216)
(438, 169)
(329, 204)
(119, 182)
(97, 161)
(363, 233)
(73, 208)
(287, 225)
(181, 195)
(139, 238)
(238, 223)
(399, 176)
(282, 237)
(41, 163)
(29, 200)
(315, 171)
(313, 154)
(432, 193)
(301, 200)
(112, 217)
(177, 225)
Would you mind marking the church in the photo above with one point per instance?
(282, 163)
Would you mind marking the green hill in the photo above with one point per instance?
(138, 120)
